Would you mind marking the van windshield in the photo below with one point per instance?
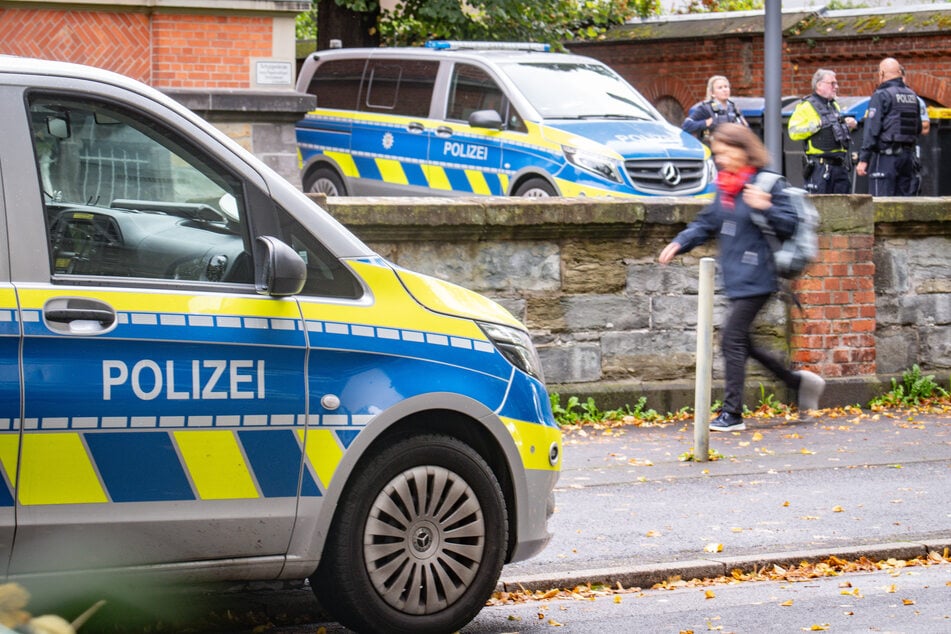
(571, 90)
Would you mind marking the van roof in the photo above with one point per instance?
(498, 56)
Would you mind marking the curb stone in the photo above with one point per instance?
(647, 575)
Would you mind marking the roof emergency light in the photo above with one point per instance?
(458, 45)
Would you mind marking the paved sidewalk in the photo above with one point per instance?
(630, 512)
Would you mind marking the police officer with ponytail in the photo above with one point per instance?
(826, 137)
(718, 108)
(892, 126)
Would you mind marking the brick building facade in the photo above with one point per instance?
(233, 63)
(206, 44)
(670, 58)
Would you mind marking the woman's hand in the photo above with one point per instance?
(668, 253)
(757, 198)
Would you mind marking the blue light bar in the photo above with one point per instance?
(458, 45)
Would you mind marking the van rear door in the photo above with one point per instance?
(391, 132)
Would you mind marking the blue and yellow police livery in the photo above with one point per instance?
(203, 375)
(470, 119)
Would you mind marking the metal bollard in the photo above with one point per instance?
(701, 403)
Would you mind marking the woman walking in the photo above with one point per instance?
(746, 264)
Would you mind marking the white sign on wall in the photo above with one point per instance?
(273, 73)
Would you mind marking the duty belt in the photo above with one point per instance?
(897, 149)
(832, 159)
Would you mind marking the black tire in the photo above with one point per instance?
(535, 188)
(418, 543)
(324, 180)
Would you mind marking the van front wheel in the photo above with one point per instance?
(419, 542)
(324, 180)
(535, 188)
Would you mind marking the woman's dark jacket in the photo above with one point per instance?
(744, 256)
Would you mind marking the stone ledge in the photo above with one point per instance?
(244, 105)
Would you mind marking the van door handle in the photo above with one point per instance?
(444, 131)
(78, 315)
(415, 127)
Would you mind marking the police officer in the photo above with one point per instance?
(892, 126)
(825, 134)
(717, 108)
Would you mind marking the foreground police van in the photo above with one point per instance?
(204, 376)
(487, 119)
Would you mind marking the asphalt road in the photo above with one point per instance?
(626, 503)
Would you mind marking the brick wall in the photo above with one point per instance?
(210, 48)
(115, 41)
(835, 332)
(677, 68)
(207, 51)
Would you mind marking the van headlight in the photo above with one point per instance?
(516, 346)
(711, 170)
(603, 166)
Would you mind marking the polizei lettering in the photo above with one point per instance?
(206, 379)
(465, 150)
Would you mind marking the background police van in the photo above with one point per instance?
(456, 119)
(203, 376)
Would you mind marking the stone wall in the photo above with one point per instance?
(612, 323)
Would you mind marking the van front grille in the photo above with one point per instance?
(666, 176)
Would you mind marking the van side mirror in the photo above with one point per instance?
(486, 119)
(58, 127)
(278, 269)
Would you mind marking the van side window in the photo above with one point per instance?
(326, 275)
(124, 198)
(472, 89)
(336, 84)
(400, 87)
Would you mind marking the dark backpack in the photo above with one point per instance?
(794, 254)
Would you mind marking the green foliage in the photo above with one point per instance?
(412, 22)
(838, 5)
(305, 25)
(769, 405)
(721, 6)
(575, 412)
(913, 390)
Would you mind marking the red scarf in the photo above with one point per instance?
(731, 183)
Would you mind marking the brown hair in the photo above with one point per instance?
(739, 136)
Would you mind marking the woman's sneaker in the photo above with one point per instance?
(725, 421)
(811, 387)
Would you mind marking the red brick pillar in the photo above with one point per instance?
(834, 334)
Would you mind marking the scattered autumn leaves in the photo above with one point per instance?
(831, 567)
(609, 425)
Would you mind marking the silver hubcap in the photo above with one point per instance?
(324, 186)
(536, 192)
(424, 540)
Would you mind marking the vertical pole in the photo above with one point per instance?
(773, 82)
(701, 406)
